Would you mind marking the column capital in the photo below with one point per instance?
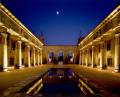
(80, 50)
(38, 50)
(3, 29)
(27, 45)
(101, 42)
(41, 49)
(93, 47)
(33, 48)
(117, 35)
(87, 50)
(83, 51)
(4, 34)
(19, 41)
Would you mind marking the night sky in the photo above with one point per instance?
(62, 22)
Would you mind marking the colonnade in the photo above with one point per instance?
(18, 46)
(24, 54)
(101, 47)
(95, 54)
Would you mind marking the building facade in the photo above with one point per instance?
(101, 48)
(18, 46)
(64, 54)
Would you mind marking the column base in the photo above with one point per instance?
(27, 65)
(103, 67)
(32, 65)
(116, 70)
(94, 66)
(88, 65)
(18, 67)
(3, 69)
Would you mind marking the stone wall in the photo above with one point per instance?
(64, 49)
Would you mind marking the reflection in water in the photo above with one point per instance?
(60, 72)
(60, 80)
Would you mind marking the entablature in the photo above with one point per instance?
(108, 25)
(14, 25)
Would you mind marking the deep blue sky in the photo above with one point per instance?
(76, 16)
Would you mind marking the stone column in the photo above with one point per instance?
(103, 58)
(83, 58)
(87, 58)
(38, 59)
(80, 58)
(27, 56)
(18, 55)
(9, 51)
(3, 52)
(41, 57)
(117, 53)
(93, 56)
(90, 57)
(33, 61)
(96, 56)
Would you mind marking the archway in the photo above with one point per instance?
(51, 57)
(70, 58)
(60, 58)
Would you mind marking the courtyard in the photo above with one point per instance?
(66, 48)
